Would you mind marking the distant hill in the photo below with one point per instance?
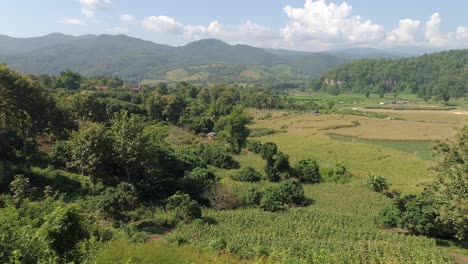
(443, 75)
(208, 60)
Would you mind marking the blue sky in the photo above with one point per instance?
(296, 24)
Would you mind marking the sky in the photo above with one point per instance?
(310, 25)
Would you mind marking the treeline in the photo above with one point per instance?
(71, 157)
(441, 75)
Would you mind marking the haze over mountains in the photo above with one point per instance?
(136, 60)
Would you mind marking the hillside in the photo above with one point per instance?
(135, 59)
(443, 74)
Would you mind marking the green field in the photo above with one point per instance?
(421, 149)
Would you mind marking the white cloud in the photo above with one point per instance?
(329, 23)
(433, 34)
(318, 25)
(462, 33)
(87, 12)
(71, 21)
(245, 33)
(90, 6)
(96, 4)
(127, 18)
(405, 33)
(163, 24)
(119, 30)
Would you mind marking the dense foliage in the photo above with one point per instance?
(441, 210)
(443, 75)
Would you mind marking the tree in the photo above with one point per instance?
(234, 129)
(449, 193)
(70, 80)
(91, 151)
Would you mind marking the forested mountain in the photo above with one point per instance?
(443, 74)
(136, 59)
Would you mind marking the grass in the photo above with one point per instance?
(421, 149)
(157, 251)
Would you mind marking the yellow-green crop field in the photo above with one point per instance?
(339, 225)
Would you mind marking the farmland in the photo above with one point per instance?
(339, 225)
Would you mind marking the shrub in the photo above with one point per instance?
(222, 197)
(60, 154)
(282, 164)
(197, 182)
(416, 214)
(209, 154)
(271, 200)
(291, 192)
(247, 174)
(287, 192)
(63, 230)
(338, 174)
(308, 171)
(184, 208)
(254, 146)
(114, 201)
(377, 183)
(20, 187)
(252, 197)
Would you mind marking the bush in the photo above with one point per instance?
(63, 230)
(114, 201)
(308, 171)
(247, 174)
(271, 200)
(222, 197)
(184, 208)
(416, 214)
(209, 154)
(254, 146)
(252, 197)
(60, 154)
(292, 193)
(377, 183)
(287, 192)
(197, 182)
(338, 174)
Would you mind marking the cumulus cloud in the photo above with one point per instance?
(405, 33)
(90, 6)
(71, 21)
(317, 25)
(433, 34)
(329, 23)
(462, 33)
(127, 18)
(163, 24)
(247, 32)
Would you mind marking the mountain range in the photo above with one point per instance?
(208, 60)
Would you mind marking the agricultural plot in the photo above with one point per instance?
(339, 225)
